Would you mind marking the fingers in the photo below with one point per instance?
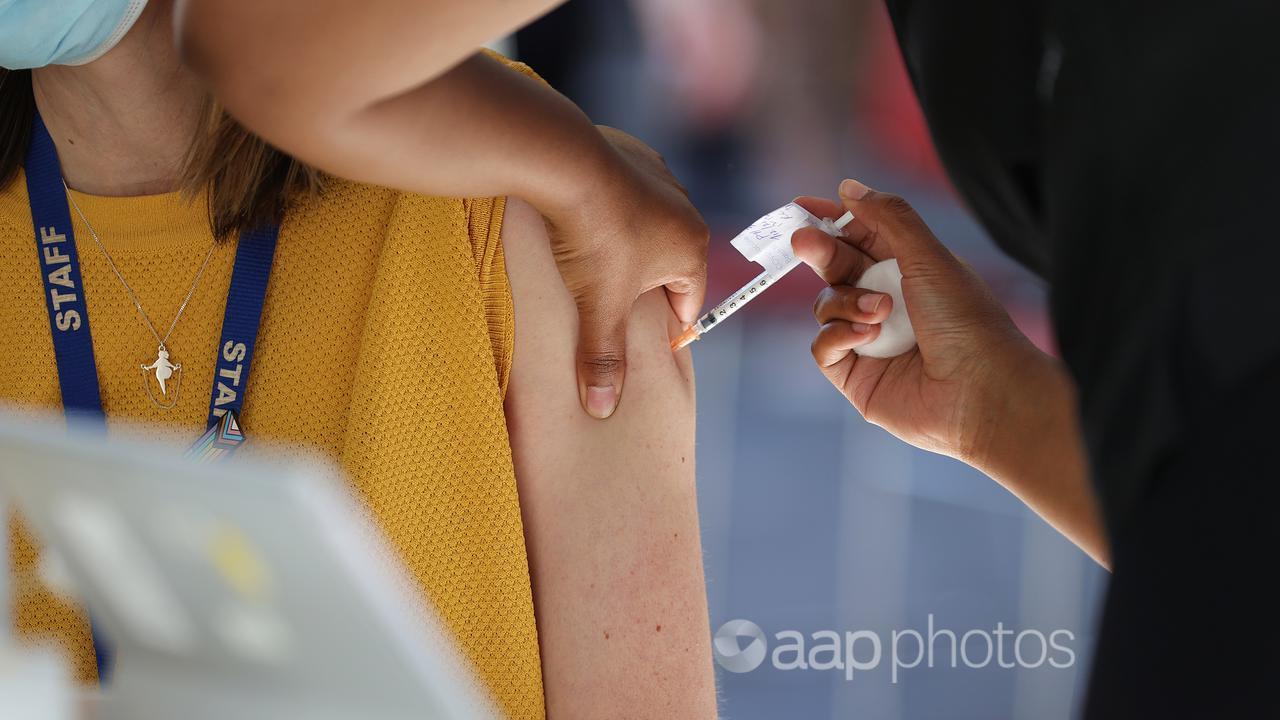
(893, 221)
(686, 285)
(602, 358)
(820, 207)
(837, 260)
(687, 295)
(833, 259)
(856, 233)
(685, 305)
(844, 302)
(837, 339)
(849, 318)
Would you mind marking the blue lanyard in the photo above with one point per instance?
(240, 322)
(60, 269)
(69, 315)
(69, 318)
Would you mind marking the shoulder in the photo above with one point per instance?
(344, 208)
(513, 64)
(408, 244)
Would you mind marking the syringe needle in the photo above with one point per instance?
(690, 334)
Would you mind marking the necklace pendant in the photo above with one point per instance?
(164, 374)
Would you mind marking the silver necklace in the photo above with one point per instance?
(165, 370)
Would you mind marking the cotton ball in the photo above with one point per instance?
(896, 334)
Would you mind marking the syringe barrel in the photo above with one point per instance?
(744, 295)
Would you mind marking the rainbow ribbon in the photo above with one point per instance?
(220, 440)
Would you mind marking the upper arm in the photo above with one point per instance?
(375, 48)
(299, 72)
(609, 506)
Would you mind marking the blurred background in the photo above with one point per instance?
(813, 519)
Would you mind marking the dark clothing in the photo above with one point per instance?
(1129, 152)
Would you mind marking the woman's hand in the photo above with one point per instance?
(935, 395)
(634, 231)
(974, 388)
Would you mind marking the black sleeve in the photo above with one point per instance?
(1162, 182)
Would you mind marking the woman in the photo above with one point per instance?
(561, 551)
(1128, 156)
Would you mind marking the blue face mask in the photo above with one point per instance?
(35, 33)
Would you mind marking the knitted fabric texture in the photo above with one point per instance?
(385, 344)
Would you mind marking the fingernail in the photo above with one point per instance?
(869, 302)
(601, 401)
(861, 328)
(853, 190)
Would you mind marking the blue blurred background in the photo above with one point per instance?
(813, 519)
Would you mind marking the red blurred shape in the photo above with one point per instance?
(888, 109)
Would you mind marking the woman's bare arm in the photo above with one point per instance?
(478, 130)
(609, 507)
(385, 46)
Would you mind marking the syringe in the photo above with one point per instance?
(749, 292)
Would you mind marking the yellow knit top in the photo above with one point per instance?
(385, 343)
